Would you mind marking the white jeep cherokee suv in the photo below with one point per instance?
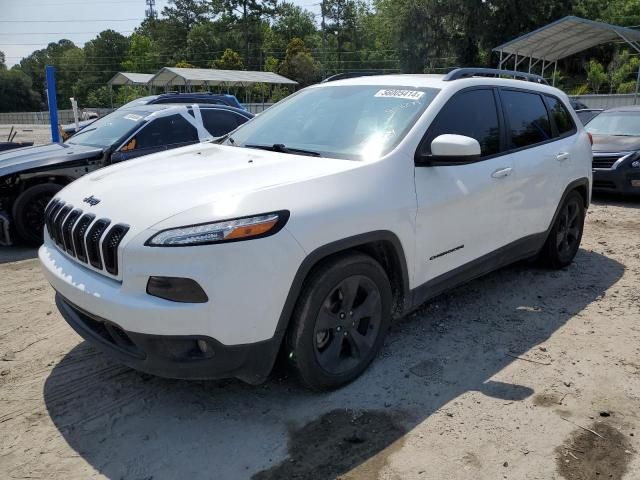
(313, 225)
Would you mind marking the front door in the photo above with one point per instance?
(464, 209)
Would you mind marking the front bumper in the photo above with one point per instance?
(617, 180)
(173, 356)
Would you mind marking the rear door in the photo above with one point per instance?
(463, 209)
(539, 136)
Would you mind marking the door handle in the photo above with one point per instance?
(501, 173)
(562, 156)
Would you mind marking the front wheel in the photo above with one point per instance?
(28, 211)
(566, 233)
(340, 321)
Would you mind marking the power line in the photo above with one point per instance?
(75, 21)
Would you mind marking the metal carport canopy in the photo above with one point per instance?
(563, 38)
(200, 76)
(128, 78)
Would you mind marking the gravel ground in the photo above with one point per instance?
(39, 134)
(524, 374)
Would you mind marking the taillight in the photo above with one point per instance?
(590, 138)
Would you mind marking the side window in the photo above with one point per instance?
(472, 113)
(527, 118)
(561, 117)
(220, 122)
(166, 131)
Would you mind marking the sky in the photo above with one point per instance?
(28, 25)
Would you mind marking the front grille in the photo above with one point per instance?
(80, 235)
(605, 162)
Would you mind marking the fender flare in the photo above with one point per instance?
(320, 253)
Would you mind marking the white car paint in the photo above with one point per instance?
(481, 206)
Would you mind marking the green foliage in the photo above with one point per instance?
(142, 56)
(596, 75)
(16, 94)
(411, 36)
(229, 60)
(2, 60)
(299, 64)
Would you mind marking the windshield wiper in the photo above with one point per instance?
(223, 138)
(282, 148)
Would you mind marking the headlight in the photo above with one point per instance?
(234, 230)
(635, 164)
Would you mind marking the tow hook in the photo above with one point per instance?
(5, 230)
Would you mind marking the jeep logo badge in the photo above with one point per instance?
(93, 201)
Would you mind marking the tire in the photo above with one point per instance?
(566, 233)
(340, 321)
(28, 211)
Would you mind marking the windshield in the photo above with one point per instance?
(615, 123)
(109, 129)
(349, 121)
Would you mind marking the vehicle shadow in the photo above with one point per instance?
(15, 254)
(131, 425)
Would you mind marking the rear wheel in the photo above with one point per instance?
(565, 236)
(28, 211)
(340, 321)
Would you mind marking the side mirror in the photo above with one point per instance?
(455, 146)
(452, 149)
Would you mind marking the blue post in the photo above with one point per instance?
(53, 103)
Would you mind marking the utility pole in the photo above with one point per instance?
(324, 39)
(151, 11)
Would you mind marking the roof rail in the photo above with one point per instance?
(345, 75)
(459, 73)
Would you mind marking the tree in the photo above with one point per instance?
(249, 16)
(229, 60)
(2, 60)
(16, 94)
(142, 55)
(299, 65)
(184, 64)
(105, 55)
(596, 75)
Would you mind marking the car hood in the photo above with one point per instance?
(29, 158)
(615, 143)
(209, 179)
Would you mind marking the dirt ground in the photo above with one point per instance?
(39, 134)
(524, 374)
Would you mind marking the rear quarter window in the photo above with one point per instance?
(561, 117)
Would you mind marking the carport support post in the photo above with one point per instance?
(635, 98)
(53, 102)
(555, 69)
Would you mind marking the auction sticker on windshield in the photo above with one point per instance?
(403, 94)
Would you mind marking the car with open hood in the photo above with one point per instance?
(309, 228)
(29, 177)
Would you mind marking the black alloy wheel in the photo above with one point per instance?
(340, 320)
(347, 324)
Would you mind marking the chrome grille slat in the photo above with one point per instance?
(78, 235)
(83, 237)
(57, 224)
(67, 227)
(50, 221)
(110, 247)
(93, 242)
(605, 162)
